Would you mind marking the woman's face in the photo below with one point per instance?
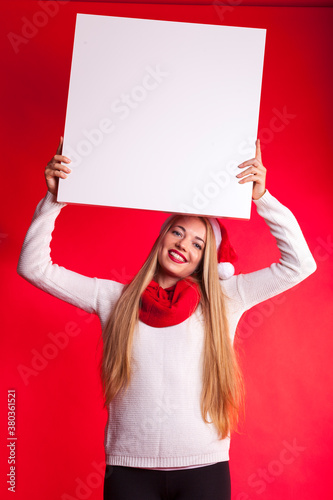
(182, 247)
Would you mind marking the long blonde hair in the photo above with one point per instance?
(222, 384)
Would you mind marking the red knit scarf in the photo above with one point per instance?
(161, 307)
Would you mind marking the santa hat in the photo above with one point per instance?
(225, 253)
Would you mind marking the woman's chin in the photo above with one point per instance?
(172, 271)
(177, 273)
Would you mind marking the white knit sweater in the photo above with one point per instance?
(158, 422)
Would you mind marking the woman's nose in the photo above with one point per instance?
(182, 244)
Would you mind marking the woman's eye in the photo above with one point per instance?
(197, 245)
(177, 233)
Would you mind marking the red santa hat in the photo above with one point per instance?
(225, 253)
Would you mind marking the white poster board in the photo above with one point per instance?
(160, 113)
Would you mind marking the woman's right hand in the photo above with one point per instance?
(54, 169)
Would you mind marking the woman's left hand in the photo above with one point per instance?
(258, 172)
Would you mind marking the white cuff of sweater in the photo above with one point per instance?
(263, 199)
(52, 199)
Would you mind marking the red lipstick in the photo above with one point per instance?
(175, 259)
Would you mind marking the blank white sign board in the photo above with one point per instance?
(160, 113)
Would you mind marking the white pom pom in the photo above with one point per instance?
(225, 270)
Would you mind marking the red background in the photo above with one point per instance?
(285, 343)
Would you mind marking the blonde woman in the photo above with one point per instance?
(172, 385)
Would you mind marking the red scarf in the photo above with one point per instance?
(162, 307)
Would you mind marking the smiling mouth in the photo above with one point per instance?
(176, 257)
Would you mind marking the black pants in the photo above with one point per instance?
(211, 482)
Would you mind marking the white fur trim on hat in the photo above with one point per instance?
(225, 270)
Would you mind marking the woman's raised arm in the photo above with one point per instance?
(296, 262)
(35, 263)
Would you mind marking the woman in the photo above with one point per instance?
(172, 384)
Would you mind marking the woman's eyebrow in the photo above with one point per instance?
(183, 229)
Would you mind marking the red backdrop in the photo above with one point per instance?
(284, 447)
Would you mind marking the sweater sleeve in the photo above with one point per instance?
(36, 266)
(296, 261)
